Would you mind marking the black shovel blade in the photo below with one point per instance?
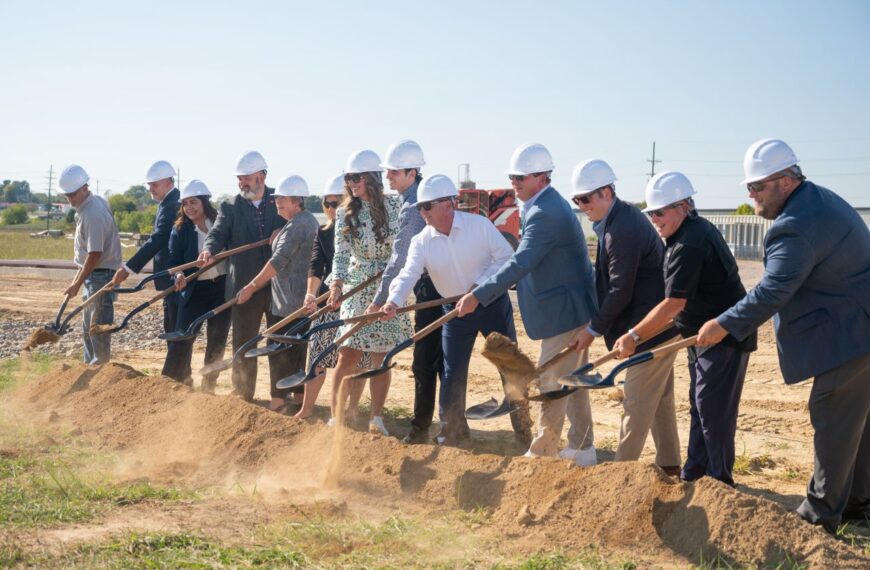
(267, 350)
(297, 379)
(579, 380)
(220, 366)
(489, 409)
(371, 373)
(550, 395)
(176, 336)
(287, 339)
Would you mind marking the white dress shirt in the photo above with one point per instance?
(473, 251)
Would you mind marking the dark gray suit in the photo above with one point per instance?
(816, 285)
(236, 225)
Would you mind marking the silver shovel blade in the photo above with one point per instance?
(581, 380)
(224, 364)
(266, 350)
(297, 379)
(489, 409)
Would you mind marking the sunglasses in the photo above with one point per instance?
(661, 211)
(756, 187)
(329, 204)
(585, 198)
(521, 177)
(428, 205)
(353, 178)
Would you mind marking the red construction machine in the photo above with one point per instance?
(499, 205)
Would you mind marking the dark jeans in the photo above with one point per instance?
(206, 296)
(717, 376)
(428, 363)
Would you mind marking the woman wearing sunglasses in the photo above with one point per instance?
(366, 226)
(318, 270)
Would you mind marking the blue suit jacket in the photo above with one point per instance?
(551, 267)
(816, 284)
(157, 246)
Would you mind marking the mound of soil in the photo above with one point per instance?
(167, 432)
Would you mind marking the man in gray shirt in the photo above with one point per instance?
(97, 255)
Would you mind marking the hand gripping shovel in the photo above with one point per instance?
(388, 358)
(97, 330)
(191, 332)
(242, 351)
(305, 338)
(63, 328)
(303, 377)
(189, 265)
(278, 346)
(647, 356)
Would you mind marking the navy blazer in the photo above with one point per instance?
(183, 248)
(157, 246)
(551, 267)
(816, 285)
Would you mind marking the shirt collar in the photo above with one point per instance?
(598, 227)
(528, 203)
(409, 196)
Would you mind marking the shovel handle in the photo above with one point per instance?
(614, 353)
(435, 325)
(406, 309)
(223, 307)
(674, 346)
(217, 257)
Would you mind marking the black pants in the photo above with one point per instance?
(428, 363)
(206, 296)
(246, 325)
(170, 313)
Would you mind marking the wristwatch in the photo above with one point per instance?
(634, 336)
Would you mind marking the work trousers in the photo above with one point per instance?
(206, 296)
(648, 406)
(839, 411)
(717, 373)
(294, 361)
(170, 313)
(428, 363)
(97, 349)
(246, 321)
(458, 336)
(551, 413)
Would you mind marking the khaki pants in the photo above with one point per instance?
(649, 406)
(551, 414)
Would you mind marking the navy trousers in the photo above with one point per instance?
(717, 376)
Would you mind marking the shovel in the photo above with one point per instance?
(191, 332)
(305, 338)
(63, 328)
(490, 409)
(302, 377)
(97, 330)
(388, 363)
(609, 380)
(243, 350)
(189, 265)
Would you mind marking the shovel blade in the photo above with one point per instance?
(287, 339)
(267, 350)
(224, 364)
(579, 380)
(370, 373)
(550, 395)
(176, 336)
(297, 379)
(489, 409)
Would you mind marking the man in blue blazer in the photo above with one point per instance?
(161, 183)
(816, 285)
(556, 293)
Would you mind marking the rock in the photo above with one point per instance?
(53, 416)
(525, 516)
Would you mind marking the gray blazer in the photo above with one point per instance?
(291, 256)
(816, 285)
(236, 225)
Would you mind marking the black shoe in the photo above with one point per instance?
(416, 436)
(858, 517)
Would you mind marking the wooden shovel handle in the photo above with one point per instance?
(674, 346)
(104, 289)
(406, 309)
(434, 326)
(614, 353)
(223, 307)
(219, 256)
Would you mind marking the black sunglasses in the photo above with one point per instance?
(756, 187)
(585, 198)
(661, 211)
(353, 178)
(330, 204)
(428, 205)
(521, 177)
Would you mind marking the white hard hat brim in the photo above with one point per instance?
(387, 166)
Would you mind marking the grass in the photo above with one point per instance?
(36, 364)
(17, 244)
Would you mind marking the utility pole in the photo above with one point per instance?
(652, 170)
(178, 180)
(98, 186)
(48, 207)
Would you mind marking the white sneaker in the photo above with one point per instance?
(529, 453)
(568, 453)
(376, 425)
(330, 423)
(586, 457)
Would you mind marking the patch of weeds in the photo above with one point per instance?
(588, 558)
(607, 444)
(745, 464)
(790, 474)
(390, 412)
(856, 536)
(475, 518)
(22, 368)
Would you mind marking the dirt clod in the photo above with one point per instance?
(39, 337)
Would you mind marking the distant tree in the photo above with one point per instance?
(313, 204)
(744, 210)
(16, 214)
(16, 191)
(39, 197)
(122, 203)
(139, 194)
(641, 205)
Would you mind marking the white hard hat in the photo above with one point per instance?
(591, 175)
(434, 187)
(530, 159)
(160, 170)
(666, 188)
(766, 157)
(334, 186)
(72, 178)
(403, 154)
(195, 188)
(363, 161)
(249, 163)
(293, 185)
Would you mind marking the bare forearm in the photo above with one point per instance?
(659, 317)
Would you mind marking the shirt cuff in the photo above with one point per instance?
(127, 269)
(592, 331)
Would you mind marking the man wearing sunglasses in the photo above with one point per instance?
(629, 282)
(701, 281)
(556, 294)
(816, 286)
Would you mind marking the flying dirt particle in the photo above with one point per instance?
(40, 336)
(53, 416)
(100, 329)
(525, 516)
(615, 395)
(516, 368)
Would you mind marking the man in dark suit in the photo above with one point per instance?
(630, 282)
(556, 294)
(161, 183)
(816, 286)
(245, 218)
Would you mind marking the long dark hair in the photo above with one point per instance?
(209, 210)
(352, 205)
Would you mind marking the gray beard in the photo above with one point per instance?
(248, 195)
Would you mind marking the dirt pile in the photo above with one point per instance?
(169, 433)
(39, 337)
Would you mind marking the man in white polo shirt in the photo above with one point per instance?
(458, 250)
(97, 255)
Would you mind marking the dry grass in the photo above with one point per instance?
(19, 245)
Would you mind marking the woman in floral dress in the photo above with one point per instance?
(366, 225)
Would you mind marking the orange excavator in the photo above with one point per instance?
(499, 205)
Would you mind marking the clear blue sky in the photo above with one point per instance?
(114, 86)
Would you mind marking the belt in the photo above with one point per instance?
(103, 270)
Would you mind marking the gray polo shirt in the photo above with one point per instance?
(291, 256)
(96, 231)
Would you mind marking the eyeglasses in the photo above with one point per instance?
(428, 205)
(756, 187)
(330, 204)
(661, 211)
(585, 198)
(353, 178)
